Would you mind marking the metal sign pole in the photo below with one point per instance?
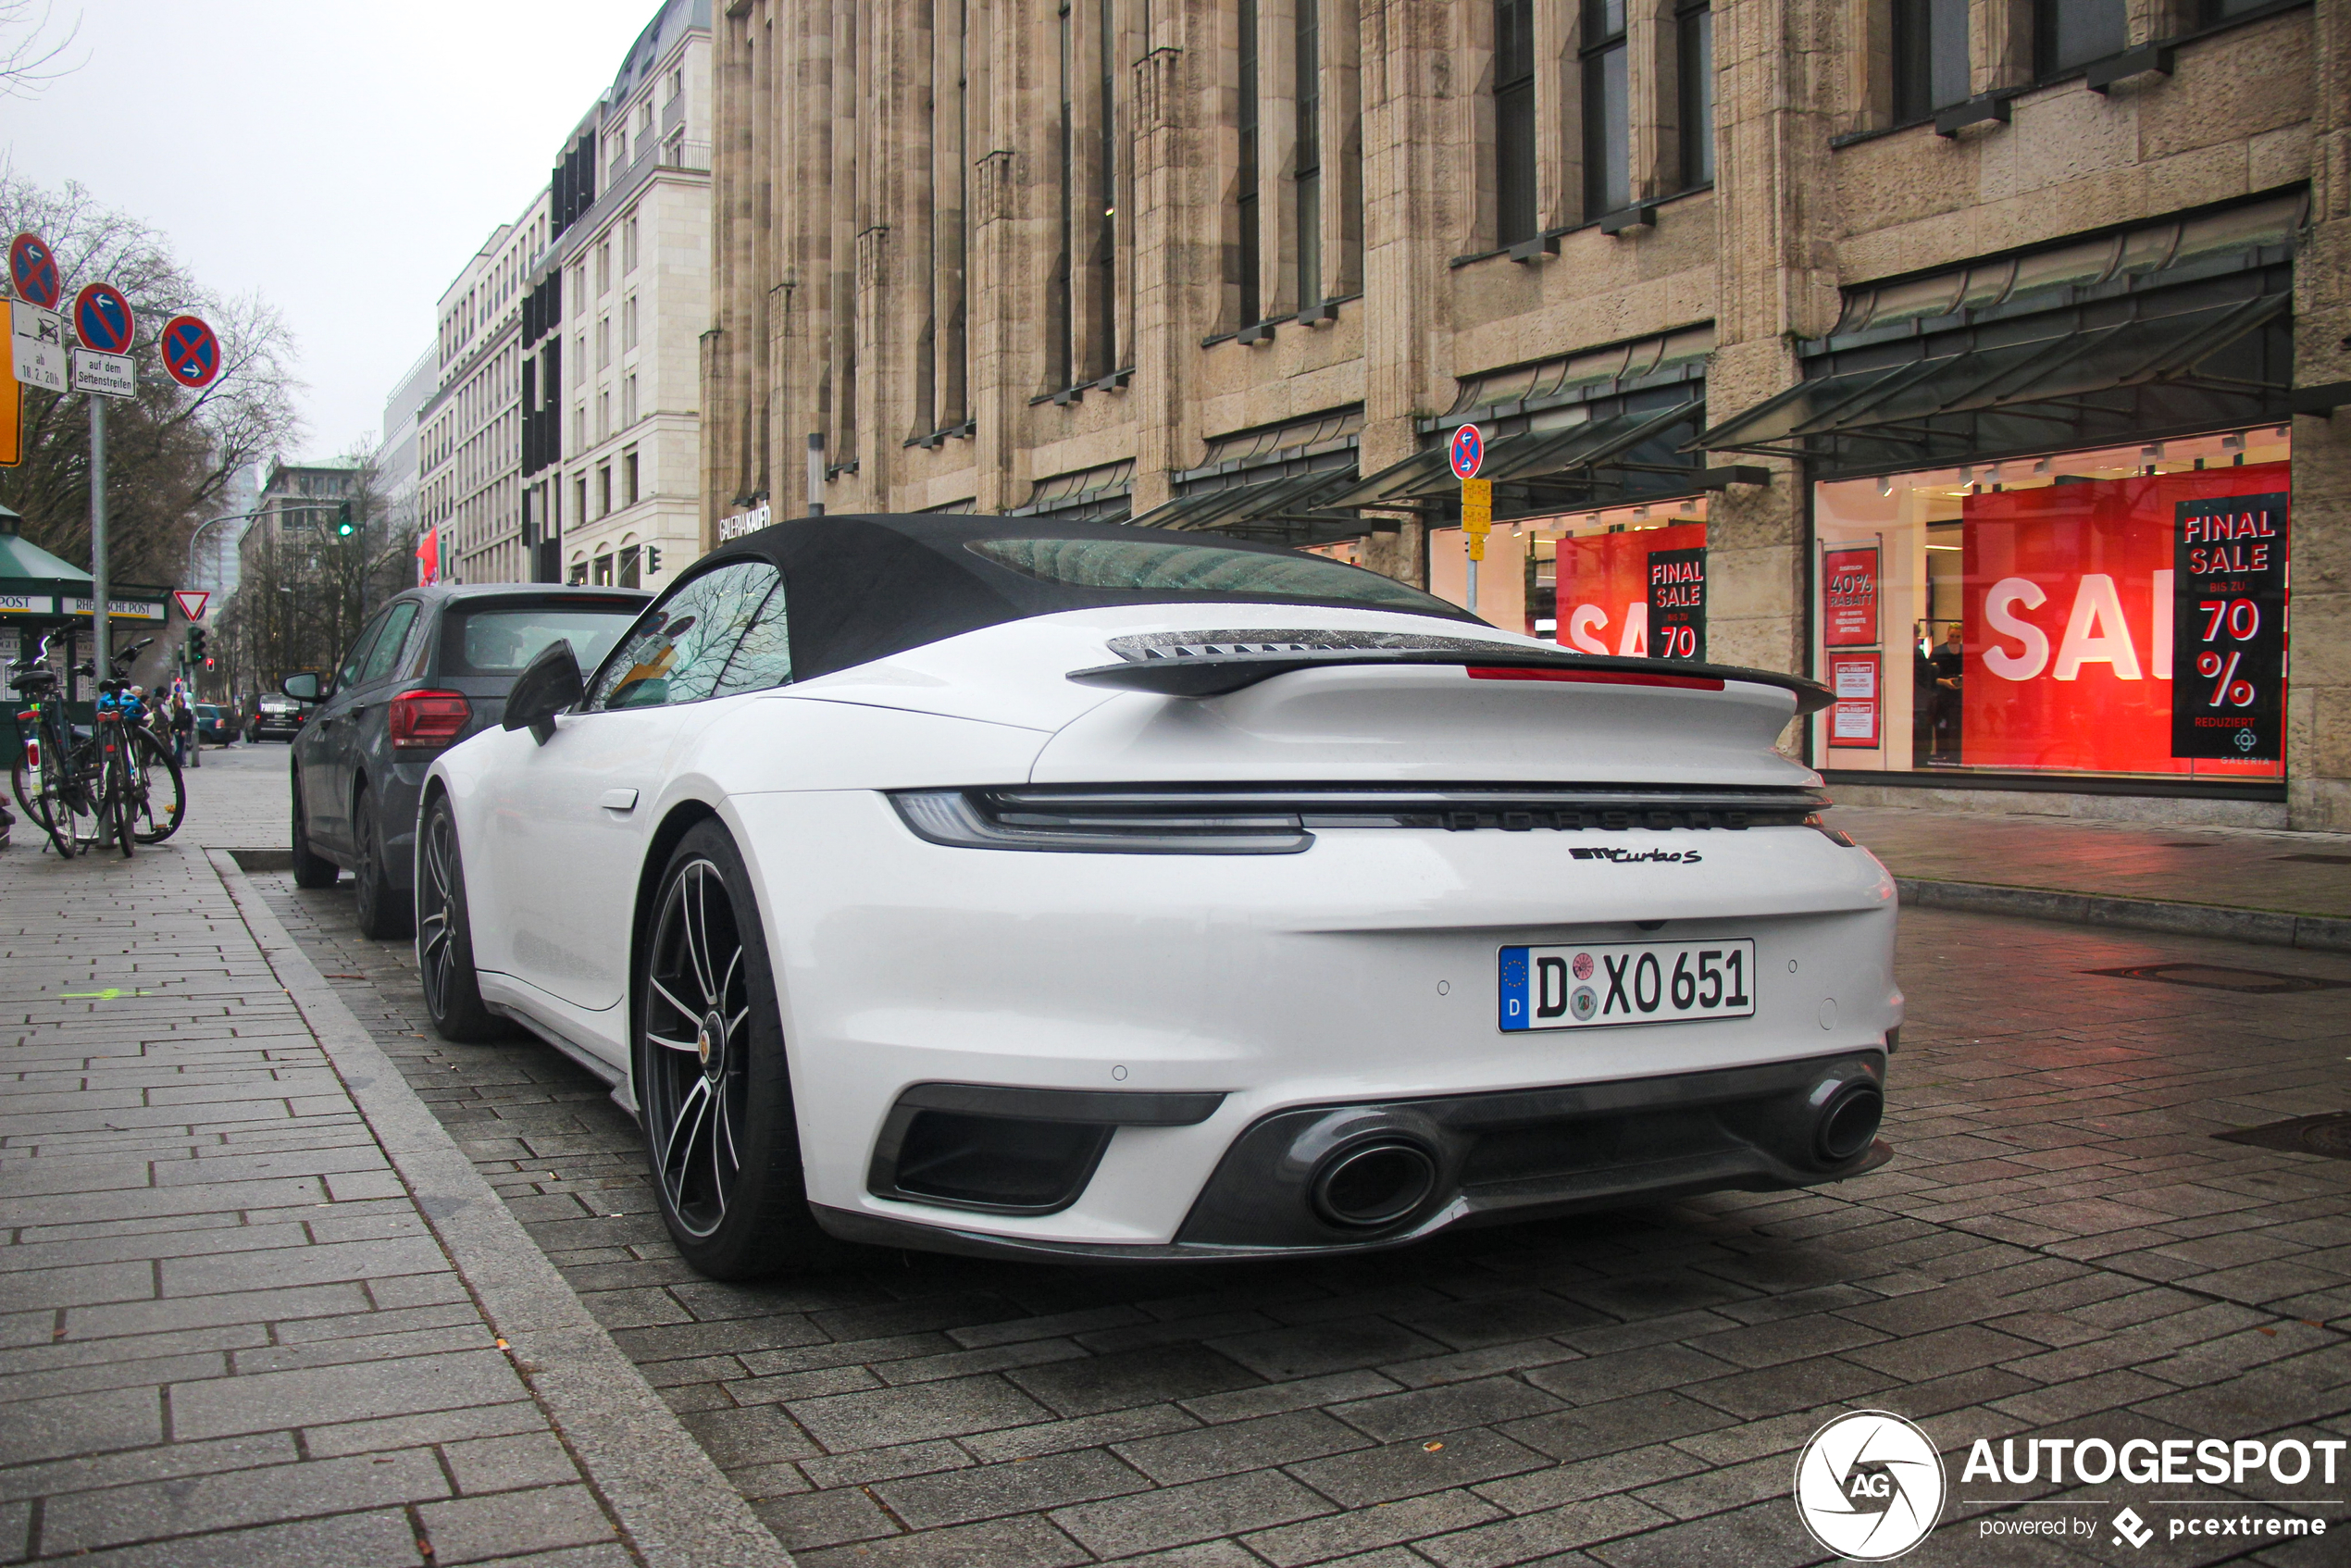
(99, 588)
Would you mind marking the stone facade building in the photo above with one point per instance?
(1922, 346)
(611, 452)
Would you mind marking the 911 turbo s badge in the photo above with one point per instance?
(1627, 857)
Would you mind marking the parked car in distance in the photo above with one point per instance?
(275, 717)
(428, 669)
(212, 724)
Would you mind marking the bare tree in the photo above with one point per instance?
(170, 451)
(29, 59)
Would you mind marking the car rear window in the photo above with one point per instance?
(1207, 571)
(500, 639)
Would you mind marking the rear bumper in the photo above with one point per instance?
(1496, 1157)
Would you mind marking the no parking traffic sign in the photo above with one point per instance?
(102, 317)
(33, 270)
(191, 352)
(1467, 452)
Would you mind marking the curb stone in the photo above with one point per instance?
(2269, 927)
(670, 1501)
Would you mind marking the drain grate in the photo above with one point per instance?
(2315, 859)
(2328, 1135)
(2213, 977)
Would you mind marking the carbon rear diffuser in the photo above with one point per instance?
(2215, 977)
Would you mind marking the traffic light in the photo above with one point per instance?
(195, 645)
(653, 559)
(344, 527)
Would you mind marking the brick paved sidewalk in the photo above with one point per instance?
(228, 1333)
(2290, 889)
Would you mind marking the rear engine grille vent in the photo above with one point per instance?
(1195, 645)
(1284, 819)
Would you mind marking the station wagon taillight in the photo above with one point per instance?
(425, 721)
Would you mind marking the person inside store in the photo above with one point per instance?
(1949, 670)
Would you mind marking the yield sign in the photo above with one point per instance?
(191, 602)
(33, 270)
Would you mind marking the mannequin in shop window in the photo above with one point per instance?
(1949, 670)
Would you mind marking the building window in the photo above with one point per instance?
(629, 322)
(629, 240)
(1308, 59)
(603, 343)
(629, 476)
(628, 401)
(579, 572)
(580, 380)
(603, 490)
(2042, 616)
(603, 414)
(580, 499)
(604, 571)
(1515, 204)
(603, 268)
(1245, 176)
(578, 429)
(2068, 34)
(1608, 109)
(1063, 323)
(1930, 56)
(1102, 315)
(1694, 23)
(629, 573)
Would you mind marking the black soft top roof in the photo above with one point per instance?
(861, 588)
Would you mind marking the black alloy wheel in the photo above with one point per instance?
(309, 870)
(383, 913)
(713, 1086)
(444, 937)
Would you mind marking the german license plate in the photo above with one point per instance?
(1595, 986)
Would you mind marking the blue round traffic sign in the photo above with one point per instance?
(102, 318)
(191, 352)
(33, 270)
(1468, 450)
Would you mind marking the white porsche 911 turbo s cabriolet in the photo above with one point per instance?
(1079, 891)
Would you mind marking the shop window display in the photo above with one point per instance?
(2119, 612)
(1619, 580)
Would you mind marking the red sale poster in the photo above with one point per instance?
(1853, 718)
(2068, 622)
(1604, 587)
(1848, 597)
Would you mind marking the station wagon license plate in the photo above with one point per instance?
(1596, 985)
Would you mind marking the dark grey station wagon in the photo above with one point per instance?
(432, 667)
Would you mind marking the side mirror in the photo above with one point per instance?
(303, 688)
(549, 685)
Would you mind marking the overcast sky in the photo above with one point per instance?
(344, 157)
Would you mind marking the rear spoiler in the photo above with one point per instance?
(1216, 675)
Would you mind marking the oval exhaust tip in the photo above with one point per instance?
(1374, 1184)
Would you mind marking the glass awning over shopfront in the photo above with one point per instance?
(2179, 327)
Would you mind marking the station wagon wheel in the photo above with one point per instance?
(713, 1086)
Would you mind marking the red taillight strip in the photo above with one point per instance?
(1596, 677)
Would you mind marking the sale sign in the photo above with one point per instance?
(2228, 646)
(1853, 718)
(1677, 603)
(1604, 590)
(2072, 616)
(1848, 597)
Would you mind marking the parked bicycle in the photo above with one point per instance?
(112, 781)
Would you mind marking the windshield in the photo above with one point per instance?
(500, 639)
(1207, 571)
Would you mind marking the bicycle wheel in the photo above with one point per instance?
(39, 790)
(158, 796)
(114, 787)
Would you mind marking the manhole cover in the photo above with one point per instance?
(2213, 977)
(2328, 1135)
(2317, 859)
